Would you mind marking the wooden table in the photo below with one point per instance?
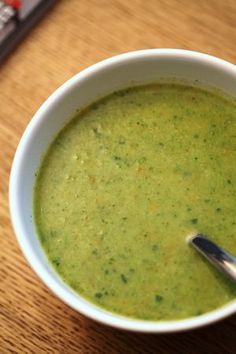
(72, 36)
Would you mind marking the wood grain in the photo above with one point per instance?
(72, 36)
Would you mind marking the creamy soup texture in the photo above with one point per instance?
(124, 183)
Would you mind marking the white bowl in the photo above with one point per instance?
(98, 80)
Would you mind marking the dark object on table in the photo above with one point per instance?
(17, 17)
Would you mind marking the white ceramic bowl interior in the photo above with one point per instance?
(96, 81)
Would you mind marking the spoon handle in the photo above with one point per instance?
(221, 259)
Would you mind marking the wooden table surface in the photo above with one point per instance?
(74, 35)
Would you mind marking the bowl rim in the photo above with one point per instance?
(76, 302)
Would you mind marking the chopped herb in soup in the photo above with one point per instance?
(121, 187)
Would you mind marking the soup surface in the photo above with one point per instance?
(121, 187)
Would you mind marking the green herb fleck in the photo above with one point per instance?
(198, 313)
(117, 158)
(96, 132)
(53, 233)
(121, 140)
(124, 278)
(155, 247)
(158, 298)
(98, 295)
(56, 261)
(194, 221)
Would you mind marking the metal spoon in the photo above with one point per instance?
(221, 259)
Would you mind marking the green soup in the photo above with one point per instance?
(121, 187)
